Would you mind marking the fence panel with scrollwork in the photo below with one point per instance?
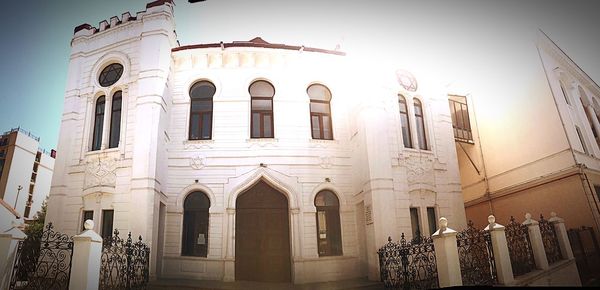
(550, 241)
(519, 248)
(408, 265)
(43, 261)
(476, 256)
(124, 264)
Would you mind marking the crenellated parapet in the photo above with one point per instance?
(87, 29)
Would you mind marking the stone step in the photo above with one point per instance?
(189, 284)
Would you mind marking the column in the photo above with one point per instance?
(446, 255)
(537, 244)
(500, 248)
(229, 271)
(85, 264)
(562, 236)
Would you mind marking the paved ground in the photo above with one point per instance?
(182, 284)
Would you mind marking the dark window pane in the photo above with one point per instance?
(405, 131)
(87, 215)
(194, 126)
(261, 89)
(326, 198)
(319, 92)
(329, 238)
(206, 125)
(255, 125)
(202, 90)
(115, 121)
(107, 223)
(195, 225)
(268, 130)
(98, 124)
(110, 74)
(262, 105)
(415, 223)
(431, 220)
(316, 127)
(421, 133)
(198, 106)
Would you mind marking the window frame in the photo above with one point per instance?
(98, 126)
(261, 113)
(332, 244)
(418, 232)
(83, 218)
(320, 115)
(115, 137)
(201, 113)
(104, 233)
(193, 250)
(402, 101)
(420, 124)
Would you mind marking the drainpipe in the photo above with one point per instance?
(583, 177)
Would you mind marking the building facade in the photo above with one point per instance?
(540, 152)
(25, 176)
(248, 160)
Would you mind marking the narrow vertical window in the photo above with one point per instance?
(415, 223)
(581, 140)
(87, 215)
(107, 223)
(562, 88)
(261, 121)
(195, 225)
(98, 124)
(320, 111)
(420, 124)
(115, 120)
(431, 220)
(404, 122)
(329, 234)
(201, 110)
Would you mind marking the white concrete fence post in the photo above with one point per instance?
(85, 266)
(501, 255)
(446, 255)
(537, 244)
(562, 236)
(8, 251)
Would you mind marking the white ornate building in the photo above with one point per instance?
(248, 160)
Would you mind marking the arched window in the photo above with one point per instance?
(420, 124)
(320, 111)
(201, 109)
(261, 122)
(565, 95)
(329, 234)
(98, 123)
(115, 120)
(404, 122)
(195, 225)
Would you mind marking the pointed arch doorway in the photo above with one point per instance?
(262, 239)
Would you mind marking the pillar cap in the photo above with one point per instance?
(529, 221)
(554, 219)
(493, 226)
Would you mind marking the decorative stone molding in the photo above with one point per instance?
(419, 169)
(326, 161)
(100, 172)
(198, 144)
(197, 162)
(262, 142)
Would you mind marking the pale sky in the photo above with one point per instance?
(488, 45)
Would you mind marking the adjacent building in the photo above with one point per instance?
(248, 160)
(534, 150)
(25, 176)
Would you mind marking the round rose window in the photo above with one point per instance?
(110, 74)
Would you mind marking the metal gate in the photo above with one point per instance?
(476, 256)
(43, 261)
(124, 264)
(587, 253)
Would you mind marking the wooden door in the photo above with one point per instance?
(262, 242)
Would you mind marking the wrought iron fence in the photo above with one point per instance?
(124, 264)
(586, 250)
(43, 262)
(519, 248)
(408, 265)
(550, 241)
(476, 256)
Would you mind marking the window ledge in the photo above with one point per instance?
(413, 150)
(198, 144)
(325, 258)
(102, 151)
(262, 140)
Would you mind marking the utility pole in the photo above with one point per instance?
(17, 199)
